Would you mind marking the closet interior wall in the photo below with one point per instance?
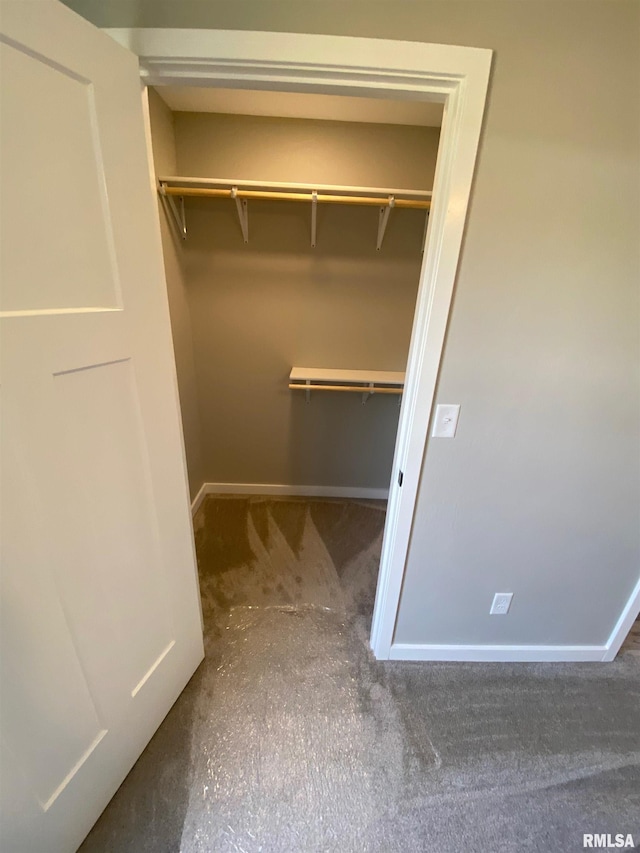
(165, 162)
(253, 311)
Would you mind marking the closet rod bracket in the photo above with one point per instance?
(368, 393)
(308, 391)
(179, 216)
(384, 218)
(314, 210)
(243, 213)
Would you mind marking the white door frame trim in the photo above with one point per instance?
(456, 76)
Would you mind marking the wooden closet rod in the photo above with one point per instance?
(295, 196)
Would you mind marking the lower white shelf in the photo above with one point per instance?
(365, 382)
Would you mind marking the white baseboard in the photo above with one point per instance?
(624, 623)
(195, 503)
(355, 492)
(522, 654)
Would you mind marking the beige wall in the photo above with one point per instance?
(260, 309)
(305, 151)
(164, 156)
(539, 492)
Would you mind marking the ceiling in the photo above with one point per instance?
(300, 105)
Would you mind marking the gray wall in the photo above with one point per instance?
(257, 310)
(539, 493)
(164, 157)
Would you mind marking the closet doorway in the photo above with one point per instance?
(174, 59)
(293, 229)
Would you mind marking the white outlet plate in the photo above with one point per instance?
(501, 603)
(446, 420)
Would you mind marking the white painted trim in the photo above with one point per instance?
(605, 653)
(352, 492)
(302, 62)
(195, 503)
(623, 625)
(497, 654)
(455, 76)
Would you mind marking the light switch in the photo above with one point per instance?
(445, 421)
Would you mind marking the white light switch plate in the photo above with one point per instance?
(445, 421)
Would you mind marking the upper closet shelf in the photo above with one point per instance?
(242, 191)
(367, 382)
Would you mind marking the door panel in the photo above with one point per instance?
(54, 276)
(100, 613)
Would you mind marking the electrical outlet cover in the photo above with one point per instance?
(501, 603)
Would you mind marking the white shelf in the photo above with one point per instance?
(219, 183)
(365, 382)
(349, 377)
(243, 191)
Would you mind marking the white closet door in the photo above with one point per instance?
(101, 625)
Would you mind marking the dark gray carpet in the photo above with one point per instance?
(291, 738)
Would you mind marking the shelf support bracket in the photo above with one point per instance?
(308, 391)
(314, 210)
(179, 216)
(368, 393)
(382, 221)
(243, 213)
